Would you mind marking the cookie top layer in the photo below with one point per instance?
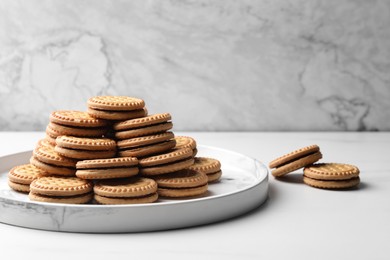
(86, 143)
(331, 171)
(143, 131)
(126, 187)
(206, 165)
(164, 158)
(120, 103)
(185, 142)
(24, 174)
(143, 121)
(60, 186)
(293, 155)
(182, 179)
(107, 163)
(47, 154)
(145, 140)
(296, 164)
(76, 118)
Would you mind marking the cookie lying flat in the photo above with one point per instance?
(166, 162)
(21, 176)
(56, 130)
(183, 183)
(51, 162)
(107, 168)
(133, 190)
(76, 118)
(61, 190)
(186, 142)
(210, 166)
(116, 107)
(295, 160)
(85, 148)
(331, 175)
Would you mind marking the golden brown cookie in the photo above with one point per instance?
(117, 115)
(54, 129)
(78, 199)
(126, 191)
(116, 103)
(148, 150)
(185, 142)
(76, 118)
(50, 169)
(147, 130)
(210, 166)
(84, 154)
(24, 174)
(47, 154)
(46, 143)
(331, 175)
(142, 122)
(165, 158)
(183, 183)
(60, 186)
(145, 140)
(107, 168)
(25, 188)
(295, 160)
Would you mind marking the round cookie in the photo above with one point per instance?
(148, 149)
(166, 158)
(91, 144)
(116, 103)
(45, 142)
(108, 163)
(142, 122)
(47, 154)
(79, 199)
(84, 154)
(295, 160)
(117, 115)
(25, 188)
(76, 118)
(54, 129)
(183, 183)
(147, 130)
(52, 169)
(24, 174)
(60, 186)
(185, 142)
(145, 140)
(332, 184)
(210, 166)
(126, 200)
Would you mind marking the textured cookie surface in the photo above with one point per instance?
(167, 168)
(128, 187)
(145, 140)
(331, 171)
(126, 200)
(147, 130)
(24, 174)
(76, 118)
(25, 188)
(115, 103)
(99, 174)
(84, 154)
(117, 115)
(54, 129)
(293, 155)
(50, 169)
(206, 165)
(141, 122)
(78, 199)
(183, 192)
(296, 164)
(165, 158)
(149, 149)
(60, 186)
(86, 143)
(185, 142)
(107, 163)
(47, 154)
(332, 184)
(182, 179)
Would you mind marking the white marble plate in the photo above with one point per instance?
(243, 187)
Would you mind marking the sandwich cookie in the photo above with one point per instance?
(107, 168)
(116, 107)
(51, 162)
(134, 190)
(21, 176)
(183, 183)
(85, 148)
(186, 142)
(56, 189)
(149, 125)
(331, 175)
(146, 145)
(209, 166)
(295, 160)
(167, 162)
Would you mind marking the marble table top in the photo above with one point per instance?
(296, 222)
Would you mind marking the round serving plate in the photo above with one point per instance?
(243, 187)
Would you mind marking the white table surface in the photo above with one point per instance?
(296, 222)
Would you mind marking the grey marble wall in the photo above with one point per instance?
(214, 65)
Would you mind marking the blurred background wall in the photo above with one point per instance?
(214, 65)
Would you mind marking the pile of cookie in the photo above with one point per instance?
(115, 153)
(319, 175)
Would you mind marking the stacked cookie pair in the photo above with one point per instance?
(319, 175)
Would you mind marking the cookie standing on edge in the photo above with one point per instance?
(295, 160)
(331, 175)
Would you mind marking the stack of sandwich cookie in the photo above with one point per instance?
(52, 163)
(133, 190)
(183, 183)
(209, 166)
(145, 136)
(21, 176)
(75, 123)
(85, 148)
(186, 142)
(116, 107)
(54, 189)
(295, 160)
(107, 168)
(331, 175)
(167, 162)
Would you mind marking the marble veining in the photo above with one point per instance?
(214, 65)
